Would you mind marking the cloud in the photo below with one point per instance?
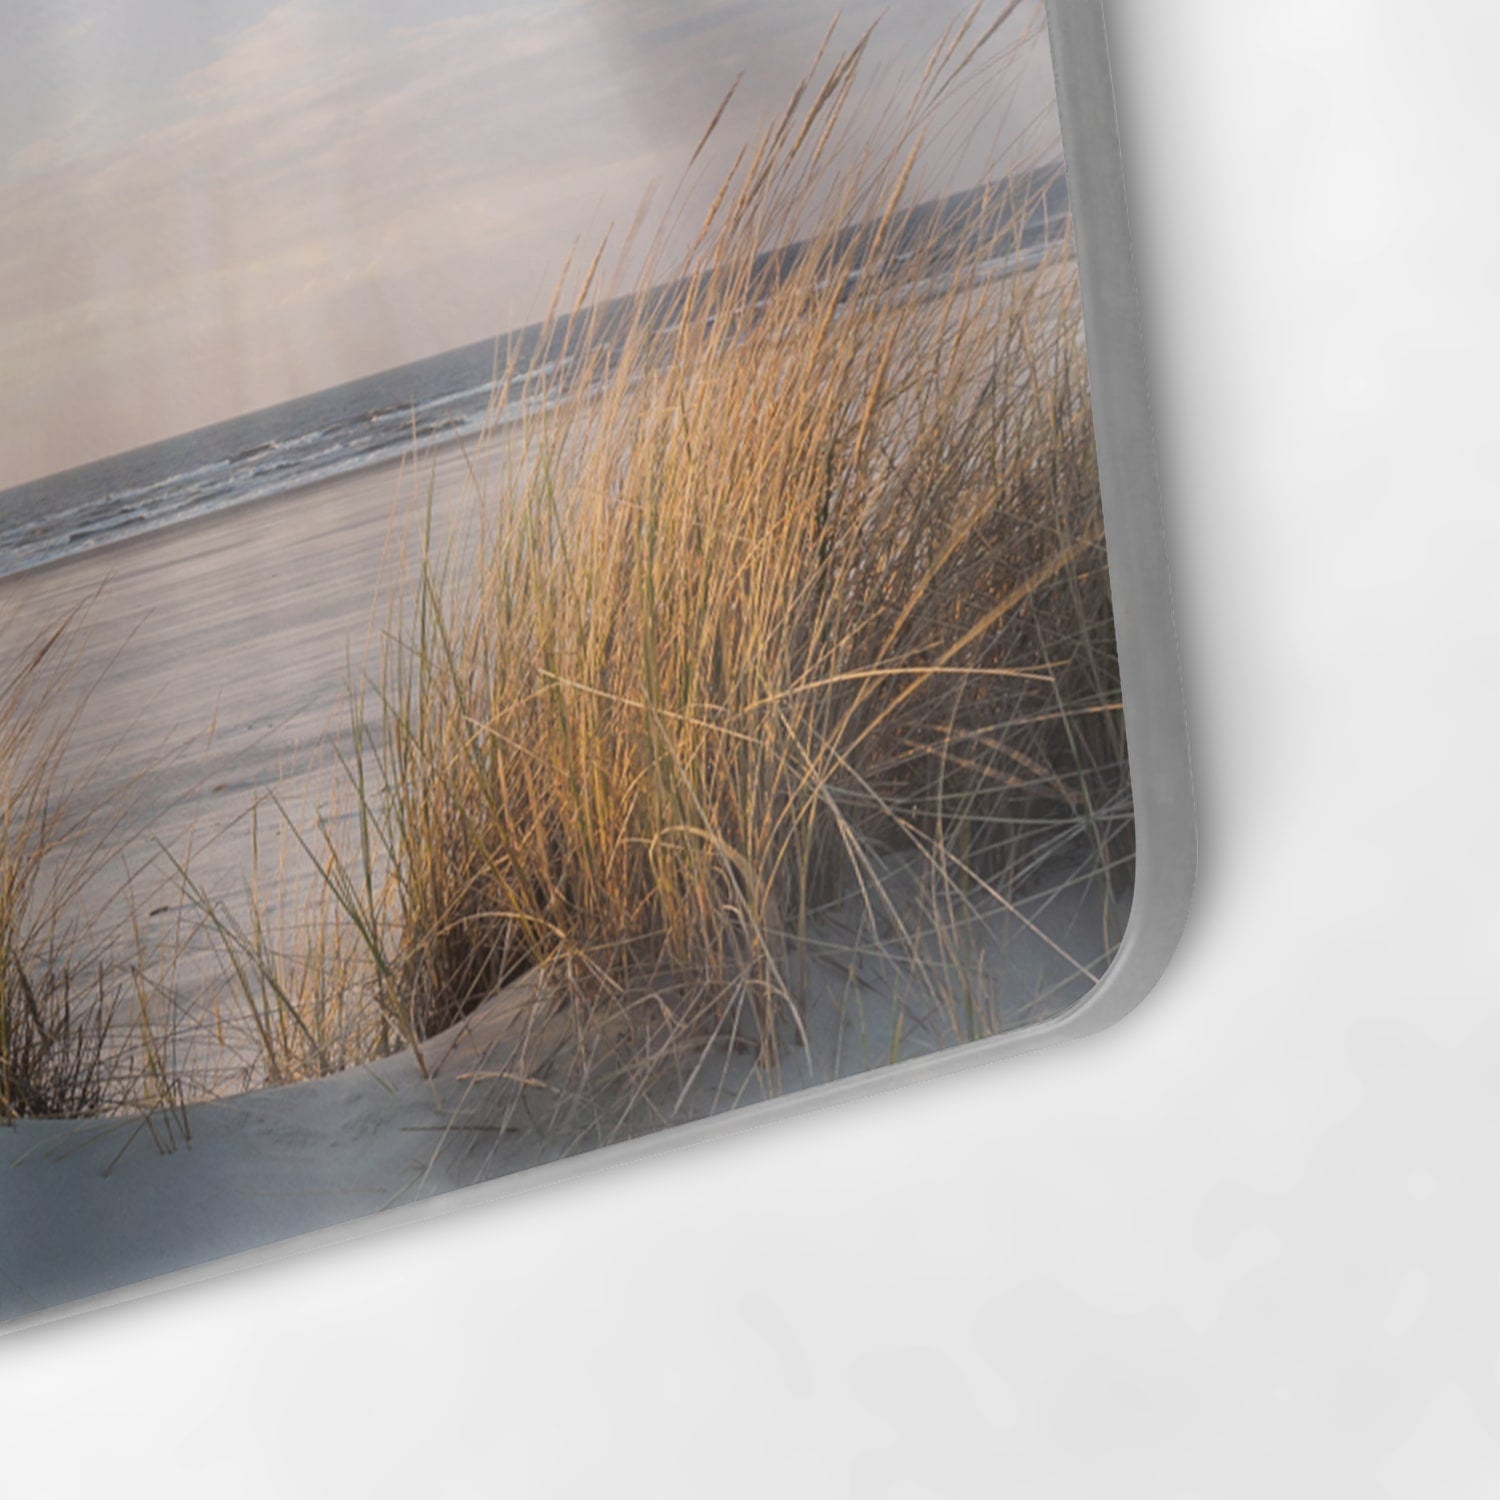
(313, 201)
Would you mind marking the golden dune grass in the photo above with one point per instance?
(807, 575)
(786, 580)
(76, 1035)
(51, 1062)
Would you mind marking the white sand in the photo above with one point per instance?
(89, 1207)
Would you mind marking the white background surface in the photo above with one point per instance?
(1243, 1245)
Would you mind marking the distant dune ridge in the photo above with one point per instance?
(406, 410)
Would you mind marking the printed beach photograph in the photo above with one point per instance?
(552, 586)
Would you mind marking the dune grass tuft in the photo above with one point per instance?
(79, 1030)
(59, 986)
(788, 576)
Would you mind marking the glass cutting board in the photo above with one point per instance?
(566, 573)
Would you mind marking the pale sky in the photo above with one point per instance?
(207, 206)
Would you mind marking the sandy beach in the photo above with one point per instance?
(217, 653)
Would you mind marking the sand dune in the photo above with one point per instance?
(220, 652)
(89, 1206)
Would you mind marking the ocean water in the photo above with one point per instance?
(400, 411)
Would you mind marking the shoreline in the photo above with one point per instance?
(149, 534)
